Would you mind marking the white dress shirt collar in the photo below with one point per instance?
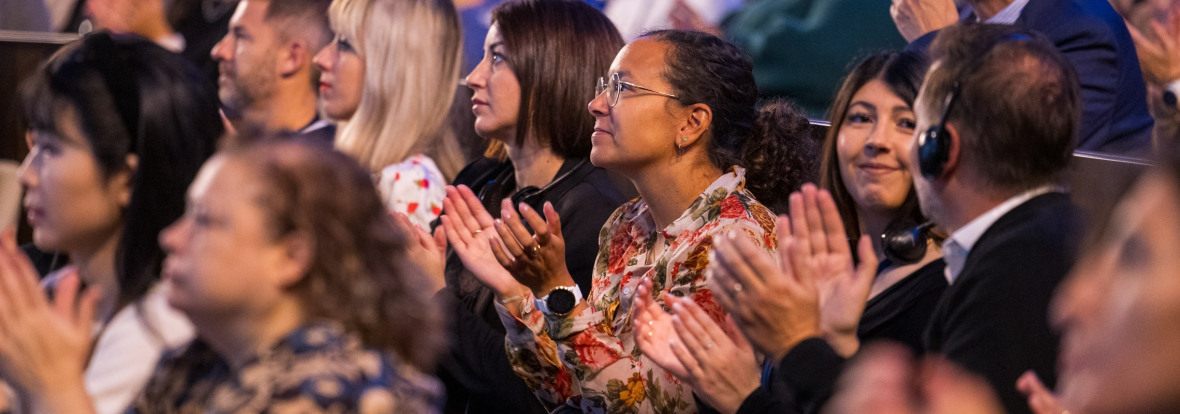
(956, 247)
(1007, 15)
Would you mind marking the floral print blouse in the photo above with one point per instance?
(589, 359)
(318, 368)
(414, 187)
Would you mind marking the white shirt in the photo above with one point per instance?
(1009, 14)
(956, 247)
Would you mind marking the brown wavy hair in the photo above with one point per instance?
(359, 274)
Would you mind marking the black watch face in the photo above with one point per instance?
(560, 301)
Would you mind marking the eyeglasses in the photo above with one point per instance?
(616, 86)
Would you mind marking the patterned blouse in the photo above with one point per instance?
(589, 359)
(318, 368)
(414, 187)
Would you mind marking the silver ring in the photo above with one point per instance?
(737, 287)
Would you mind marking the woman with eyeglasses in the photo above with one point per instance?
(675, 115)
(529, 98)
(118, 129)
(389, 78)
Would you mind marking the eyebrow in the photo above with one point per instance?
(864, 104)
(495, 45)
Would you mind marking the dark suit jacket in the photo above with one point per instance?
(1092, 36)
(476, 371)
(993, 319)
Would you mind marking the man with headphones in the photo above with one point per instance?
(999, 112)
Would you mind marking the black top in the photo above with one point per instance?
(806, 377)
(476, 371)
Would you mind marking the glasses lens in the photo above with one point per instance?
(614, 89)
(600, 86)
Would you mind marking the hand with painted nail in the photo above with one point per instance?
(44, 344)
(470, 230)
(536, 260)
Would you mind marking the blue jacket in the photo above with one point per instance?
(1091, 35)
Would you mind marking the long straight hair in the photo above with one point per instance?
(411, 52)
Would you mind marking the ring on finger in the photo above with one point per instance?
(534, 250)
(737, 288)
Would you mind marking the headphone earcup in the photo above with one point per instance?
(933, 151)
(904, 244)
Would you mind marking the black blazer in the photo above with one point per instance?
(476, 371)
(1094, 38)
(993, 319)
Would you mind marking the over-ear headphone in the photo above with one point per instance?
(904, 243)
(934, 143)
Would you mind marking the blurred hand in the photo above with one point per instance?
(424, 250)
(146, 18)
(1159, 49)
(684, 17)
(536, 261)
(915, 18)
(1040, 399)
(469, 229)
(885, 379)
(43, 346)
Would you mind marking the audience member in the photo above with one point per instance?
(1117, 313)
(674, 115)
(866, 161)
(389, 77)
(119, 128)
(295, 310)
(999, 108)
(267, 83)
(1091, 36)
(543, 143)
(633, 18)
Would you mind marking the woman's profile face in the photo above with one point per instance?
(222, 259)
(873, 148)
(1120, 311)
(342, 78)
(70, 204)
(641, 128)
(495, 98)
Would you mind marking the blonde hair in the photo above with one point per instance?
(411, 50)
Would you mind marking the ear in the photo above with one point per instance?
(122, 180)
(696, 124)
(954, 150)
(293, 57)
(297, 251)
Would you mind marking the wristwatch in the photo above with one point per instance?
(1171, 93)
(560, 301)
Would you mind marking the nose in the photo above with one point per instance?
(219, 51)
(323, 58)
(1081, 296)
(877, 141)
(26, 173)
(478, 76)
(173, 235)
(599, 106)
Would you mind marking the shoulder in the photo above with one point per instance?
(1071, 21)
(415, 167)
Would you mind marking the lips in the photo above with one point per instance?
(877, 168)
(325, 86)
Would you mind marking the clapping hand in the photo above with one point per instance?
(535, 260)
(718, 363)
(915, 18)
(470, 230)
(1159, 50)
(426, 251)
(44, 345)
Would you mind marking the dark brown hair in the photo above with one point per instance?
(359, 275)
(556, 49)
(702, 68)
(902, 73)
(1017, 107)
